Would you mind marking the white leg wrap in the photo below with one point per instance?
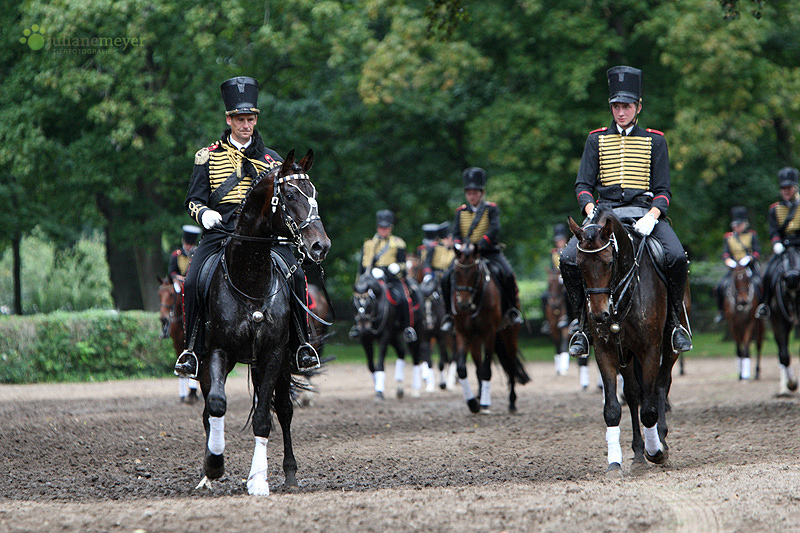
(614, 449)
(426, 371)
(416, 377)
(216, 436)
(789, 373)
(399, 370)
(651, 443)
(183, 387)
(564, 363)
(486, 393)
(193, 384)
(380, 380)
(452, 372)
(257, 483)
(745, 368)
(557, 361)
(466, 389)
(583, 376)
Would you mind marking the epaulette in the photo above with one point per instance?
(202, 155)
(598, 129)
(649, 130)
(728, 235)
(463, 206)
(493, 204)
(176, 253)
(774, 205)
(213, 146)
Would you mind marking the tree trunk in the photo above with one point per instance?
(150, 265)
(17, 272)
(124, 275)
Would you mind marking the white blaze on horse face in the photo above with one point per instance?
(216, 435)
(257, 483)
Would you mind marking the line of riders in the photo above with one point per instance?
(624, 167)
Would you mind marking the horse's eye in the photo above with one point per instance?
(289, 196)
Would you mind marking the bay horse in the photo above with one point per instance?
(739, 307)
(250, 316)
(434, 311)
(476, 310)
(556, 314)
(171, 316)
(785, 313)
(377, 321)
(627, 318)
(323, 316)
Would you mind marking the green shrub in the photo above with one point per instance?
(85, 346)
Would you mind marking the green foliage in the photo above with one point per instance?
(59, 278)
(88, 346)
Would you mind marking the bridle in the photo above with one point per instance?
(381, 308)
(476, 290)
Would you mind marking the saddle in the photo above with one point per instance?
(628, 216)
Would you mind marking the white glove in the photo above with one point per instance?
(210, 218)
(394, 269)
(730, 263)
(778, 248)
(744, 261)
(644, 226)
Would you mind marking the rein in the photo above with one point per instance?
(382, 309)
(475, 291)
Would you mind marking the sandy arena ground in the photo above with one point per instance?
(126, 456)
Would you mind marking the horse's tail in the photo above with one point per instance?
(513, 365)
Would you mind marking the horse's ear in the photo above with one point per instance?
(288, 162)
(608, 229)
(307, 161)
(575, 228)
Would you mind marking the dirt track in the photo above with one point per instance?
(123, 456)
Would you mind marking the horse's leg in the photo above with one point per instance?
(631, 385)
(612, 411)
(651, 408)
(782, 329)
(484, 368)
(285, 410)
(663, 385)
(263, 379)
(400, 365)
(369, 351)
(476, 350)
(759, 338)
(213, 383)
(461, 368)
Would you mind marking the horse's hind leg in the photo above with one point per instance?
(633, 393)
(264, 385)
(485, 379)
(612, 411)
(213, 385)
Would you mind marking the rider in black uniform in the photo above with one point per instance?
(628, 167)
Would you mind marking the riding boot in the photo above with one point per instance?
(680, 337)
(447, 319)
(187, 364)
(573, 283)
(762, 311)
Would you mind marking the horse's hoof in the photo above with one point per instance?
(792, 385)
(400, 393)
(638, 465)
(379, 396)
(512, 409)
(659, 458)
(486, 410)
(416, 393)
(443, 386)
(614, 471)
(214, 466)
(472, 403)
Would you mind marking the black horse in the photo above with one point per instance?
(430, 333)
(627, 315)
(250, 317)
(377, 319)
(785, 312)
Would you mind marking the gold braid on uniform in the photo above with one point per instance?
(625, 161)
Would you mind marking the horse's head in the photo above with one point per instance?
(468, 276)
(166, 296)
(367, 295)
(598, 241)
(284, 204)
(743, 288)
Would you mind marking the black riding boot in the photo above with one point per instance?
(680, 337)
(187, 364)
(447, 320)
(512, 297)
(573, 283)
(762, 311)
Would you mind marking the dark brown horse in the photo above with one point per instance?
(171, 316)
(323, 315)
(739, 308)
(555, 312)
(476, 309)
(430, 332)
(785, 313)
(249, 311)
(627, 316)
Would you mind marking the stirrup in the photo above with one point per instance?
(354, 333)
(189, 368)
(675, 333)
(762, 311)
(447, 324)
(579, 340)
(311, 360)
(563, 322)
(515, 316)
(409, 335)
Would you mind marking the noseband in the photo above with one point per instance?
(475, 290)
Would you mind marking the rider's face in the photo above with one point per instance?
(788, 192)
(473, 196)
(384, 231)
(624, 113)
(242, 126)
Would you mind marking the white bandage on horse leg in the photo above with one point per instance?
(745, 368)
(183, 387)
(614, 449)
(399, 370)
(380, 380)
(651, 443)
(564, 363)
(557, 361)
(583, 376)
(486, 393)
(193, 384)
(416, 377)
(465, 387)
(257, 479)
(216, 434)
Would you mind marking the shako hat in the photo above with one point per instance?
(240, 95)
(430, 231)
(738, 214)
(444, 230)
(474, 178)
(560, 231)
(190, 233)
(624, 85)
(787, 176)
(384, 218)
